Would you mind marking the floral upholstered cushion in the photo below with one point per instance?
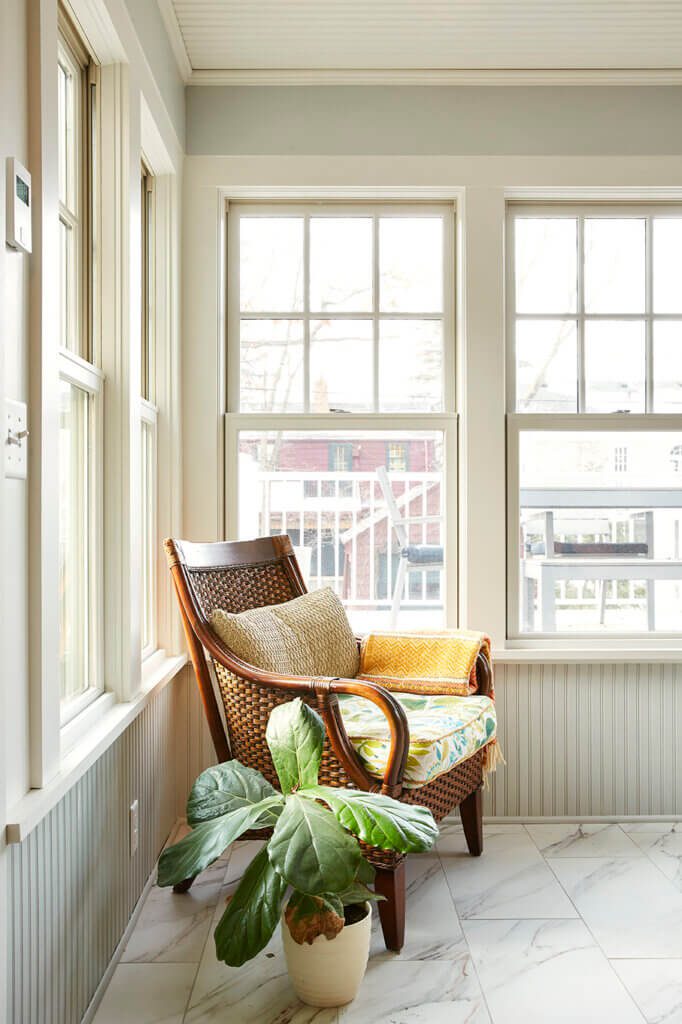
(444, 730)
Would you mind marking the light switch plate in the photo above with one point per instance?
(16, 455)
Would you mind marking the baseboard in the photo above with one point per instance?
(93, 1006)
(585, 819)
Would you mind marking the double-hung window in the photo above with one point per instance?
(148, 415)
(80, 378)
(340, 366)
(595, 427)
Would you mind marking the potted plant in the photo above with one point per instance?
(312, 861)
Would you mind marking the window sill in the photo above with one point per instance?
(31, 809)
(586, 655)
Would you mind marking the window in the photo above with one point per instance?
(341, 457)
(148, 413)
(340, 363)
(398, 458)
(80, 462)
(595, 343)
(620, 458)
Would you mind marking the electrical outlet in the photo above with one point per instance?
(134, 827)
(16, 439)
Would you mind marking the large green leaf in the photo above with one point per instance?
(311, 850)
(295, 734)
(225, 788)
(358, 893)
(206, 842)
(309, 916)
(365, 873)
(252, 914)
(379, 820)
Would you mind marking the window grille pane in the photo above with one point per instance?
(68, 286)
(341, 264)
(668, 366)
(600, 531)
(74, 540)
(65, 130)
(271, 375)
(615, 366)
(411, 365)
(546, 366)
(545, 264)
(411, 264)
(341, 365)
(614, 265)
(271, 264)
(322, 488)
(667, 270)
(148, 540)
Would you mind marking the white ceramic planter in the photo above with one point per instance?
(329, 972)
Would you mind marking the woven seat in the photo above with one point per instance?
(239, 576)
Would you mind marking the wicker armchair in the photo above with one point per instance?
(250, 574)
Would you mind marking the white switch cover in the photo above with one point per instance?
(15, 439)
(134, 827)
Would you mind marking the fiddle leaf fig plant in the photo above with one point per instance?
(312, 856)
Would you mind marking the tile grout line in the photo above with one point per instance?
(594, 937)
(466, 941)
(209, 936)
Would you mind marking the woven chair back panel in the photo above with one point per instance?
(247, 709)
(239, 588)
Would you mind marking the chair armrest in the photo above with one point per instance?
(326, 692)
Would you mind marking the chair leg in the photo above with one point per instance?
(185, 885)
(471, 812)
(390, 882)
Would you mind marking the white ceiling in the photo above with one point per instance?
(425, 35)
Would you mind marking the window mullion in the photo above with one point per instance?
(648, 323)
(375, 313)
(306, 312)
(581, 313)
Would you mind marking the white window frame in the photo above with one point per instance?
(149, 418)
(343, 423)
(149, 410)
(578, 421)
(81, 369)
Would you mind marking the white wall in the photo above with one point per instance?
(154, 76)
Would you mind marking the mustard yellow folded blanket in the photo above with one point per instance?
(428, 663)
(424, 662)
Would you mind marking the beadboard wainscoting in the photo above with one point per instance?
(73, 883)
(587, 740)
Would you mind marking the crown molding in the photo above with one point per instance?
(176, 40)
(418, 76)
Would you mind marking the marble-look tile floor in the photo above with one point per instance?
(555, 922)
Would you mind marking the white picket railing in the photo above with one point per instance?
(343, 519)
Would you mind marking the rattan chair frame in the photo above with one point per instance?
(240, 575)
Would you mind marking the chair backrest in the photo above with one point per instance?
(240, 575)
(235, 576)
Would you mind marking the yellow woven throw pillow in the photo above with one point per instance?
(308, 636)
(424, 662)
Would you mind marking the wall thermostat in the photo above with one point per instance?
(18, 206)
